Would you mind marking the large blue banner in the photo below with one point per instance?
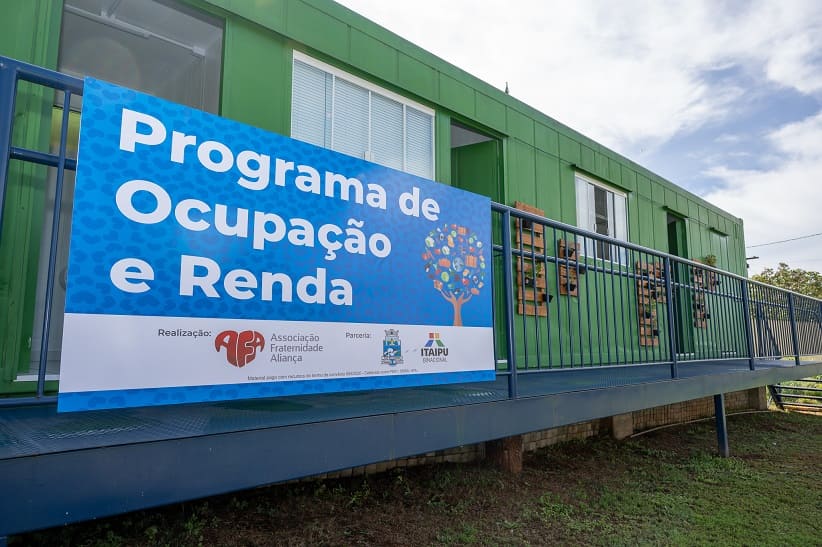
(212, 260)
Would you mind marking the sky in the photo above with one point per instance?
(723, 98)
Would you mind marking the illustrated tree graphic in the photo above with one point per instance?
(455, 263)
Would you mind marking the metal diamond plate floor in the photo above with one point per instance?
(35, 430)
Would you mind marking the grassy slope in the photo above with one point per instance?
(666, 487)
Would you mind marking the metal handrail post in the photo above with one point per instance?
(759, 328)
(508, 277)
(669, 298)
(52, 264)
(746, 313)
(8, 86)
(794, 336)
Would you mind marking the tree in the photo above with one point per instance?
(455, 263)
(794, 279)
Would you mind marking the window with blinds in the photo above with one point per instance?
(339, 111)
(604, 211)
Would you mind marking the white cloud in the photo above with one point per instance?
(793, 62)
(782, 202)
(630, 74)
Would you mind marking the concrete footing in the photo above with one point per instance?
(622, 426)
(506, 453)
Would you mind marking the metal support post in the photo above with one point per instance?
(746, 314)
(721, 425)
(794, 337)
(507, 268)
(669, 281)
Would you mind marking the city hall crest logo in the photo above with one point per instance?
(392, 348)
(240, 347)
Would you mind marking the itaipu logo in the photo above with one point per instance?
(434, 346)
(240, 347)
(391, 348)
(434, 350)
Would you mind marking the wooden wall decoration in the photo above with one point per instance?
(568, 278)
(701, 281)
(532, 285)
(650, 287)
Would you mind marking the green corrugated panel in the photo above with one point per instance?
(615, 172)
(416, 77)
(670, 198)
(373, 56)
(693, 210)
(316, 29)
(490, 112)
(601, 166)
(657, 193)
(546, 139)
(569, 150)
(548, 188)
(456, 96)
(587, 160)
(703, 215)
(245, 103)
(647, 223)
(522, 169)
(520, 126)
(643, 186)
(634, 232)
(628, 180)
(268, 13)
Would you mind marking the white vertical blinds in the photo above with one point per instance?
(419, 141)
(310, 108)
(387, 132)
(585, 214)
(350, 120)
(615, 212)
(341, 112)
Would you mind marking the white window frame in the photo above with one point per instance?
(590, 246)
(371, 88)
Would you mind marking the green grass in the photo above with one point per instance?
(664, 488)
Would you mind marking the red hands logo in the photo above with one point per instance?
(241, 347)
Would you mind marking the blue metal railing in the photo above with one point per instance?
(639, 306)
(573, 300)
(12, 72)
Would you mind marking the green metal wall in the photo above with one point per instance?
(540, 155)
